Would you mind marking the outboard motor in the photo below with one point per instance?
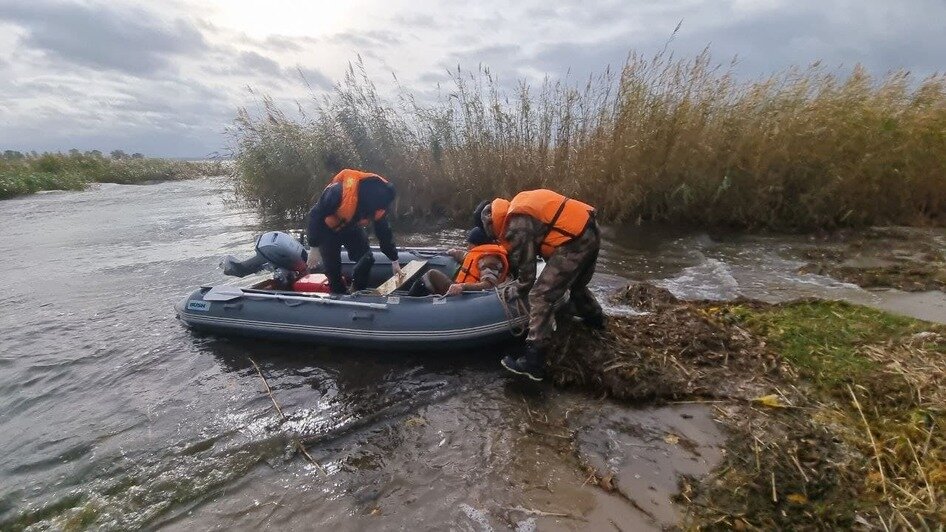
(274, 250)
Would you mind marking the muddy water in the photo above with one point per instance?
(113, 416)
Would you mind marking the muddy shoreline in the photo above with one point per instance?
(787, 381)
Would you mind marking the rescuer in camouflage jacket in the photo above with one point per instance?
(564, 232)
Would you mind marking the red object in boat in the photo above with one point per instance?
(313, 282)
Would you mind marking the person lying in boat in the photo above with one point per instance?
(564, 232)
(482, 267)
(352, 201)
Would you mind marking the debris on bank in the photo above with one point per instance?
(675, 350)
(836, 411)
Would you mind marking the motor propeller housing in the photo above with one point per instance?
(274, 250)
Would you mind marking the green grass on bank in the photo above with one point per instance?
(864, 444)
(26, 174)
(680, 140)
(821, 339)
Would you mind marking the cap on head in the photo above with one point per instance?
(382, 196)
(477, 237)
(478, 213)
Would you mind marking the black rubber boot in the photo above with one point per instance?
(361, 273)
(531, 365)
(419, 289)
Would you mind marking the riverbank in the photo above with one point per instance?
(834, 410)
(22, 174)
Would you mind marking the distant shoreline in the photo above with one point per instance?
(25, 174)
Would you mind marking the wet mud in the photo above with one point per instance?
(781, 379)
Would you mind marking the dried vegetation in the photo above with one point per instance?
(665, 138)
(836, 410)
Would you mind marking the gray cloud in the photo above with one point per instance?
(599, 14)
(129, 40)
(366, 39)
(165, 120)
(250, 64)
(414, 21)
(92, 75)
(312, 77)
(259, 64)
(882, 37)
(433, 78)
(503, 56)
(580, 60)
(284, 43)
(764, 40)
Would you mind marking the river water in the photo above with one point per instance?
(114, 416)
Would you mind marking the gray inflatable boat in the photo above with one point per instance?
(365, 319)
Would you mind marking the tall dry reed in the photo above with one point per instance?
(665, 139)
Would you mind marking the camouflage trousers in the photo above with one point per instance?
(569, 268)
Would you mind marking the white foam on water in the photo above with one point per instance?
(477, 516)
(820, 281)
(528, 525)
(305, 421)
(712, 279)
(622, 310)
(787, 270)
(603, 293)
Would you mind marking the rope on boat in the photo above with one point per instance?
(503, 294)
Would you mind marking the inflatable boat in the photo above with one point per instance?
(365, 319)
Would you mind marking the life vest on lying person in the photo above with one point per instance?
(469, 271)
(350, 181)
(565, 218)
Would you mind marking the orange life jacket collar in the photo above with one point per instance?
(470, 269)
(565, 218)
(498, 209)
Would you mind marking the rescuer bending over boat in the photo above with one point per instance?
(564, 232)
(352, 201)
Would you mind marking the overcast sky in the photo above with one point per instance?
(165, 78)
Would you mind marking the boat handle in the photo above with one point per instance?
(368, 316)
(233, 306)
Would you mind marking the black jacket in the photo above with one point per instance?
(373, 194)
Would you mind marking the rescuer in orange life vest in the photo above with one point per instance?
(340, 217)
(483, 266)
(564, 232)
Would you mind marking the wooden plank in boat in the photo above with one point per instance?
(408, 273)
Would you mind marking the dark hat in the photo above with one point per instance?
(478, 213)
(477, 236)
(375, 194)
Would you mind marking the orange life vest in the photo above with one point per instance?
(498, 209)
(350, 180)
(470, 270)
(565, 218)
